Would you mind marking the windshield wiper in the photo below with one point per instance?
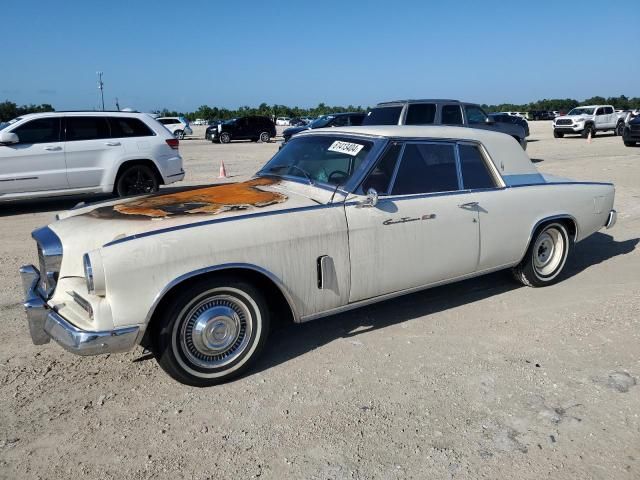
(281, 167)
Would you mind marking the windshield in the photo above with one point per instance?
(322, 121)
(230, 121)
(581, 111)
(4, 125)
(327, 159)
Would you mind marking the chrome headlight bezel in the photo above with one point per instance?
(94, 273)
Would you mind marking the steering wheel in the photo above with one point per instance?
(344, 175)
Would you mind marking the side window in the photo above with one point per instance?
(86, 128)
(122, 127)
(356, 120)
(600, 111)
(475, 114)
(340, 121)
(426, 168)
(380, 178)
(42, 130)
(421, 114)
(608, 110)
(475, 173)
(383, 116)
(451, 115)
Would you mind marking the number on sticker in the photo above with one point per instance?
(346, 147)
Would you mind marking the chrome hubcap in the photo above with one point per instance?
(548, 251)
(216, 331)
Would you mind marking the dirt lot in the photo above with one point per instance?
(482, 379)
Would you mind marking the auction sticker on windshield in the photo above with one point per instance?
(346, 147)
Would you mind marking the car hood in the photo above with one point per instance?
(293, 130)
(94, 226)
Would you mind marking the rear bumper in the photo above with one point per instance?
(611, 219)
(46, 324)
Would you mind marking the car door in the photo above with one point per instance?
(610, 116)
(90, 150)
(37, 162)
(422, 230)
(600, 118)
(451, 114)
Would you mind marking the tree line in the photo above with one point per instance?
(9, 110)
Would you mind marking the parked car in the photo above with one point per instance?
(67, 153)
(501, 117)
(333, 120)
(587, 120)
(252, 128)
(283, 121)
(178, 126)
(631, 131)
(337, 219)
(440, 112)
(540, 115)
(297, 122)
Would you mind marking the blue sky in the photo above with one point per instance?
(183, 54)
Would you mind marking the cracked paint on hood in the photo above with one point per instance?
(209, 200)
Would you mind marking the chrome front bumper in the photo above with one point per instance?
(611, 219)
(45, 324)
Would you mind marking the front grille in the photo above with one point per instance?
(564, 121)
(634, 127)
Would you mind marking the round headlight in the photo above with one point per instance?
(94, 273)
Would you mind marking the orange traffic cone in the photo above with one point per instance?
(223, 171)
(589, 137)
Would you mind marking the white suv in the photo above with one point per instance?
(64, 153)
(178, 126)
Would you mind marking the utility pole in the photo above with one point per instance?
(117, 104)
(101, 88)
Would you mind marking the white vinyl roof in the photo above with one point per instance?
(505, 152)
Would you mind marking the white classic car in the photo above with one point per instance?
(337, 219)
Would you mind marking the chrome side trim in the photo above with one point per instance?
(547, 184)
(389, 296)
(217, 268)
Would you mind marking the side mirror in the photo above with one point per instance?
(489, 121)
(8, 138)
(371, 199)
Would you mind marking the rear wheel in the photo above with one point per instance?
(545, 257)
(265, 137)
(557, 134)
(179, 134)
(136, 180)
(211, 332)
(619, 129)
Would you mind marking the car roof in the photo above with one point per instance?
(83, 112)
(506, 153)
(419, 100)
(338, 114)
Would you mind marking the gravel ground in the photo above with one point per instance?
(481, 379)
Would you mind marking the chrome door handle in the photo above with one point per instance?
(52, 148)
(468, 205)
(112, 144)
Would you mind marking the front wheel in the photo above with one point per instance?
(589, 129)
(211, 331)
(557, 134)
(136, 180)
(225, 137)
(628, 143)
(545, 257)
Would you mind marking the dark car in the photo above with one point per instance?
(540, 115)
(504, 118)
(440, 112)
(332, 120)
(631, 132)
(297, 122)
(252, 128)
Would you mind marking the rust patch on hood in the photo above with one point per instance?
(210, 200)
